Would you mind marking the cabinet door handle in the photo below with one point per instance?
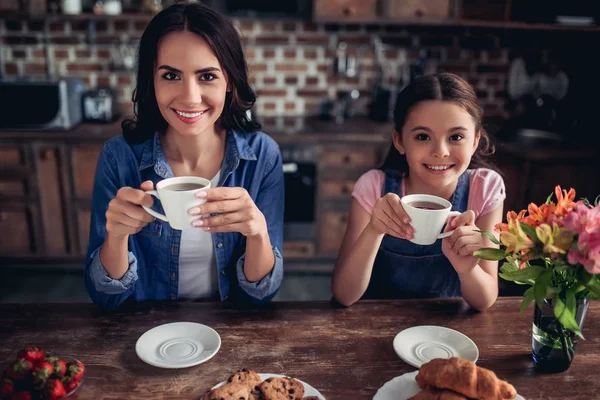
(346, 159)
(419, 13)
(348, 11)
(345, 189)
(44, 154)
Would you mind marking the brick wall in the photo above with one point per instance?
(289, 61)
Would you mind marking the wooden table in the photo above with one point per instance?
(346, 353)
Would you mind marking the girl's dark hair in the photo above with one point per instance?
(222, 36)
(445, 87)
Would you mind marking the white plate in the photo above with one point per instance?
(403, 387)
(308, 390)
(421, 344)
(178, 345)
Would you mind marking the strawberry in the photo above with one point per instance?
(54, 389)
(31, 353)
(70, 384)
(19, 369)
(21, 396)
(60, 367)
(42, 371)
(76, 370)
(7, 388)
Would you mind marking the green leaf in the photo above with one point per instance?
(489, 253)
(490, 236)
(530, 231)
(565, 315)
(528, 297)
(508, 267)
(549, 198)
(594, 287)
(540, 287)
(528, 274)
(597, 200)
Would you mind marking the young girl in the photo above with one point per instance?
(438, 148)
(191, 100)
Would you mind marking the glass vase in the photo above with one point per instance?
(553, 346)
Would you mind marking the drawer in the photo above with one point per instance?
(84, 161)
(10, 156)
(337, 188)
(15, 238)
(411, 9)
(345, 10)
(11, 188)
(298, 249)
(350, 158)
(332, 229)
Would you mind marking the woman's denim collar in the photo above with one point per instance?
(237, 148)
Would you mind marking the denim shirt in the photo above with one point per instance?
(251, 161)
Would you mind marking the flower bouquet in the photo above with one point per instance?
(555, 249)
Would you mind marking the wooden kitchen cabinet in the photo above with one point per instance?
(15, 230)
(340, 166)
(345, 10)
(416, 9)
(530, 176)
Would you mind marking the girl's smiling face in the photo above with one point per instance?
(438, 139)
(189, 83)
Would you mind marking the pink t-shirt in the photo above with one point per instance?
(486, 190)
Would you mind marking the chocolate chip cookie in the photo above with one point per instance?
(229, 391)
(281, 389)
(245, 377)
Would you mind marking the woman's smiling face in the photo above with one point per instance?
(189, 83)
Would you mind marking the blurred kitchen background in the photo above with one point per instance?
(326, 73)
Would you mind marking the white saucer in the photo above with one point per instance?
(308, 390)
(421, 344)
(403, 387)
(178, 345)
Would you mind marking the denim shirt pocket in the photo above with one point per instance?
(152, 229)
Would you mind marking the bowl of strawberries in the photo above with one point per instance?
(37, 375)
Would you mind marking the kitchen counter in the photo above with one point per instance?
(358, 130)
(314, 130)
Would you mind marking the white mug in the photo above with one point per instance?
(428, 214)
(177, 198)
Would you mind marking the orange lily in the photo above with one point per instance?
(539, 215)
(564, 201)
(514, 238)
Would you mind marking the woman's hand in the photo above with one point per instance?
(459, 246)
(388, 217)
(235, 209)
(125, 215)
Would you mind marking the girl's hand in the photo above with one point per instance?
(125, 215)
(235, 208)
(459, 247)
(389, 218)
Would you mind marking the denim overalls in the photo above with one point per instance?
(403, 269)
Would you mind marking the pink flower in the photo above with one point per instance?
(586, 222)
(583, 219)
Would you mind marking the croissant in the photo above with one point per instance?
(464, 377)
(431, 393)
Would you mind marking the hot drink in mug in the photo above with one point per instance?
(177, 196)
(428, 215)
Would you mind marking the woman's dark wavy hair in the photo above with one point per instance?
(445, 87)
(223, 38)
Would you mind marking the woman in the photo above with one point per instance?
(191, 100)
